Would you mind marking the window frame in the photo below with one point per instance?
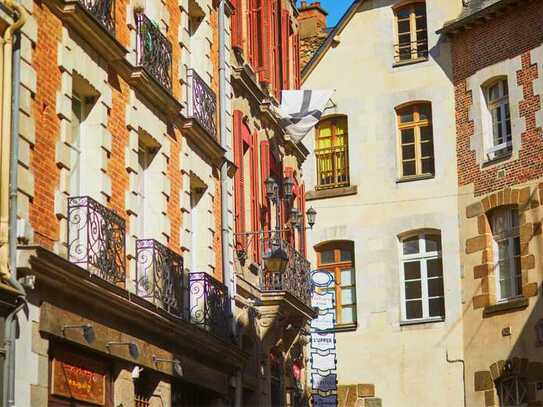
(519, 400)
(417, 125)
(495, 149)
(418, 53)
(337, 267)
(422, 258)
(335, 152)
(512, 237)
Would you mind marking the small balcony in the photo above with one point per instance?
(103, 11)
(96, 239)
(202, 103)
(153, 52)
(159, 277)
(296, 277)
(332, 167)
(210, 305)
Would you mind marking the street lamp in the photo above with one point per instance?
(311, 217)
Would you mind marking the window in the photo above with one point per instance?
(512, 391)
(78, 116)
(422, 278)
(412, 33)
(416, 140)
(497, 102)
(338, 258)
(147, 149)
(506, 252)
(332, 153)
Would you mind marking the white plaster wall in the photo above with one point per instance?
(407, 364)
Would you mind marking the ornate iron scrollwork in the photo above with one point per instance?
(96, 239)
(159, 276)
(210, 305)
(154, 51)
(203, 103)
(103, 11)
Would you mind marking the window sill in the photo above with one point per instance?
(510, 305)
(409, 62)
(331, 193)
(414, 178)
(421, 321)
(497, 160)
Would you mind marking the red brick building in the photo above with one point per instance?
(497, 55)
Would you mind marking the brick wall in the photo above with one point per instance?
(483, 45)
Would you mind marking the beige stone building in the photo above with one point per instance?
(383, 180)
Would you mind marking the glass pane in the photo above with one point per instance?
(404, 39)
(347, 277)
(506, 288)
(427, 149)
(348, 315)
(411, 245)
(347, 296)
(435, 287)
(327, 256)
(437, 307)
(413, 290)
(411, 270)
(325, 130)
(345, 255)
(403, 26)
(426, 133)
(408, 152)
(425, 111)
(434, 268)
(420, 9)
(413, 309)
(428, 166)
(324, 143)
(403, 12)
(432, 243)
(421, 25)
(408, 136)
(341, 127)
(409, 168)
(493, 92)
(406, 114)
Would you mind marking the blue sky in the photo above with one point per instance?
(335, 9)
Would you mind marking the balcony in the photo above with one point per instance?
(210, 305)
(332, 167)
(295, 279)
(153, 52)
(96, 239)
(103, 11)
(202, 103)
(159, 277)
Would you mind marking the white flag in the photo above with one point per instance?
(301, 110)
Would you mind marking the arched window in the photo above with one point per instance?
(416, 139)
(498, 115)
(422, 277)
(412, 32)
(506, 251)
(331, 151)
(338, 258)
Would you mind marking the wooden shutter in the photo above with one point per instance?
(238, 177)
(255, 208)
(285, 30)
(276, 48)
(237, 24)
(296, 57)
(264, 174)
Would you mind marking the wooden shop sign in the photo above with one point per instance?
(78, 378)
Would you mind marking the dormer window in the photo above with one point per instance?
(412, 33)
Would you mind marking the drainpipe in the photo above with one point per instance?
(463, 371)
(229, 276)
(12, 77)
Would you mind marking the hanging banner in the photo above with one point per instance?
(323, 340)
(301, 110)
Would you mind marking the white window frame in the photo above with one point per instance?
(510, 234)
(423, 257)
(501, 143)
(520, 394)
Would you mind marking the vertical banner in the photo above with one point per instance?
(323, 340)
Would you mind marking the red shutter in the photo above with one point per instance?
(254, 195)
(296, 55)
(238, 178)
(237, 24)
(276, 48)
(266, 39)
(264, 174)
(285, 30)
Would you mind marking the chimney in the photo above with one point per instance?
(312, 29)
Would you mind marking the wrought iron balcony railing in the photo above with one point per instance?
(96, 239)
(210, 305)
(295, 279)
(159, 276)
(332, 167)
(153, 51)
(202, 103)
(103, 11)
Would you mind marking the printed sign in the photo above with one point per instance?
(78, 378)
(323, 340)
